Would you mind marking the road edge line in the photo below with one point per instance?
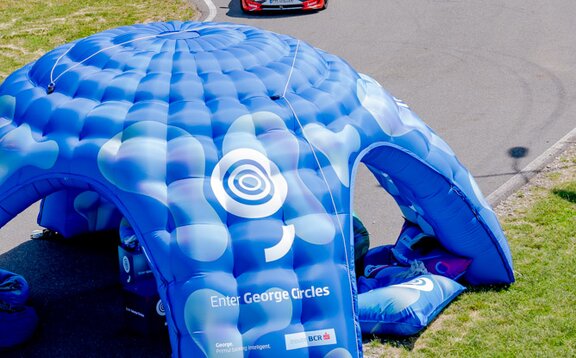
(212, 11)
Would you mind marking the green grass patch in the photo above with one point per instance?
(535, 316)
(30, 28)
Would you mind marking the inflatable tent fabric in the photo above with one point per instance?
(404, 309)
(232, 153)
(17, 320)
(74, 212)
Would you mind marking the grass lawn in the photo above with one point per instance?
(30, 28)
(535, 316)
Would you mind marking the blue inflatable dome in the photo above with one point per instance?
(232, 153)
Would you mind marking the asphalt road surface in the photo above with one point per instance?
(496, 79)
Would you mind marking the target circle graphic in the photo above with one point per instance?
(247, 184)
(160, 308)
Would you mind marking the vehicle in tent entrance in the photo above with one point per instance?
(275, 5)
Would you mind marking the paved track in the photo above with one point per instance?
(488, 76)
(496, 79)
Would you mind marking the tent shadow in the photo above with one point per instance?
(404, 343)
(488, 288)
(566, 194)
(76, 292)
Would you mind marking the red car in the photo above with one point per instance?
(264, 5)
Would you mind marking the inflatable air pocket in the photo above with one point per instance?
(407, 308)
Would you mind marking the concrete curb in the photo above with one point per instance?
(536, 166)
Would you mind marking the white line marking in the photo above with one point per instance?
(531, 169)
(211, 11)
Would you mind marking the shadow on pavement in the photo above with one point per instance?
(75, 289)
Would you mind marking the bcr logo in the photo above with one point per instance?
(315, 338)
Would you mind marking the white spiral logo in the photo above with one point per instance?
(247, 184)
(420, 284)
(160, 308)
(126, 264)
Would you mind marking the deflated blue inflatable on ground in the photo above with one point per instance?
(17, 320)
(232, 152)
